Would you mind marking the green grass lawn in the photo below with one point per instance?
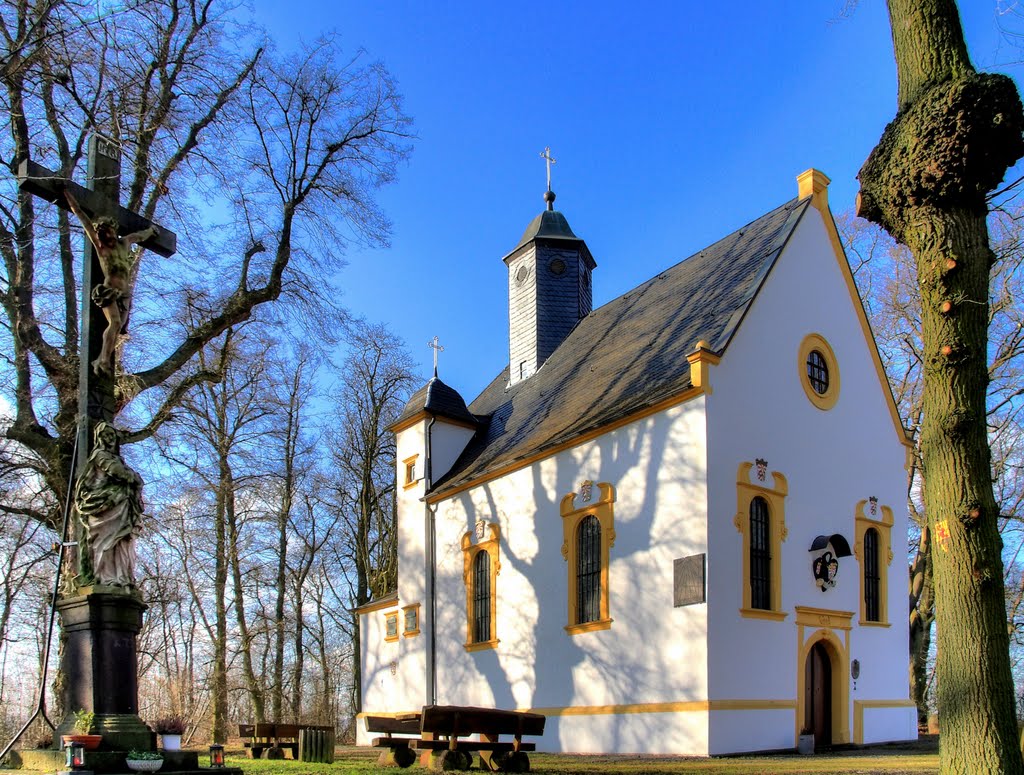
(880, 761)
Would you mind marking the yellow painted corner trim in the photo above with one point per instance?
(681, 398)
(812, 343)
(760, 613)
(701, 360)
(859, 706)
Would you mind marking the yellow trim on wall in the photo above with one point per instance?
(681, 398)
(389, 618)
(409, 467)
(807, 616)
(685, 706)
(839, 659)
(859, 706)
(811, 343)
(469, 552)
(746, 491)
(378, 605)
(572, 515)
(814, 183)
(883, 527)
(406, 630)
(701, 360)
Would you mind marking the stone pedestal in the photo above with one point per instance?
(100, 666)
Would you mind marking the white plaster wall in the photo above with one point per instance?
(733, 731)
(884, 725)
(446, 444)
(653, 652)
(652, 733)
(380, 685)
(832, 459)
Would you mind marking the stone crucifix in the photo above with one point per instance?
(435, 345)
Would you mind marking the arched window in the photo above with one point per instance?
(481, 597)
(872, 577)
(588, 571)
(760, 555)
(480, 565)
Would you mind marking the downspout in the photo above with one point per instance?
(430, 513)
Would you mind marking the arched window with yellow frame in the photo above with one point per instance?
(761, 522)
(873, 550)
(480, 566)
(588, 531)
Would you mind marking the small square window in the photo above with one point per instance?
(411, 621)
(410, 471)
(391, 626)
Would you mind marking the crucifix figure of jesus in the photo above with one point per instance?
(435, 344)
(105, 269)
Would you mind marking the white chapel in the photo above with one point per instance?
(673, 524)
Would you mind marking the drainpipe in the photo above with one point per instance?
(430, 513)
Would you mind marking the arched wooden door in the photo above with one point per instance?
(818, 696)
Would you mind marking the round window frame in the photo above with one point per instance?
(828, 399)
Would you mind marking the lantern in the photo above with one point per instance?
(74, 756)
(216, 755)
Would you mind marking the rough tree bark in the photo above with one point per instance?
(955, 134)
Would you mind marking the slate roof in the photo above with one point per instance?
(549, 225)
(437, 398)
(629, 354)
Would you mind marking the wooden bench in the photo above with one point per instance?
(445, 732)
(399, 753)
(269, 740)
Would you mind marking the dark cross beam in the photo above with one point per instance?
(95, 392)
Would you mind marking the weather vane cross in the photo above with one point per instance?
(547, 157)
(435, 345)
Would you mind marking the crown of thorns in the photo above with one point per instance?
(106, 222)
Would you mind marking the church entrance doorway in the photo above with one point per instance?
(818, 696)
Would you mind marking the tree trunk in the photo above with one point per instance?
(219, 687)
(954, 137)
(922, 614)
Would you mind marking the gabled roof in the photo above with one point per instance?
(627, 356)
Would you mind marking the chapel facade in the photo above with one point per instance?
(674, 524)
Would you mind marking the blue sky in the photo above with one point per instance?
(673, 123)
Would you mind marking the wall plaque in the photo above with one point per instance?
(689, 580)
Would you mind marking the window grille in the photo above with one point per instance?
(871, 576)
(760, 555)
(588, 570)
(817, 372)
(481, 597)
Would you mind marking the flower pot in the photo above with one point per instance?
(171, 742)
(88, 742)
(144, 765)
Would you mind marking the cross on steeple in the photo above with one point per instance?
(435, 345)
(546, 156)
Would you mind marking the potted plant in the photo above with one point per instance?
(805, 742)
(170, 729)
(144, 761)
(84, 720)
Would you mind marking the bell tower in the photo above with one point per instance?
(549, 287)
